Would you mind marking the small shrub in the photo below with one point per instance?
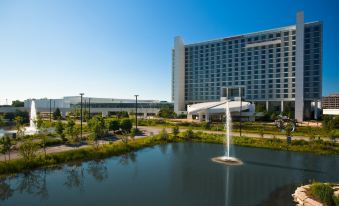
(189, 134)
(175, 131)
(323, 192)
(163, 134)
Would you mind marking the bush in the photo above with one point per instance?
(163, 134)
(28, 150)
(189, 134)
(323, 192)
(113, 124)
(175, 131)
(126, 125)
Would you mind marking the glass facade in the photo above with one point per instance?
(262, 64)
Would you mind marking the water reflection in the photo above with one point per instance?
(6, 191)
(126, 159)
(75, 177)
(33, 183)
(173, 174)
(98, 170)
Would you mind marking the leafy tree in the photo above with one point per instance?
(59, 129)
(167, 112)
(19, 126)
(57, 114)
(133, 133)
(189, 134)
(28, 149)
(23, 114)
(6, 146)
(126, 125)
(113, 124)
(175, 131)
(43, 131)
(163, 134)
(17, 103)
(2, 123)
(97, 127)
(72, 131)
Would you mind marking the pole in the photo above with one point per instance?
(136, 112)
(240, 113)
(50, 110)
(89, 108)
(81, 94)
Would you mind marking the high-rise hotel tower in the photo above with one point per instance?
(275, 68)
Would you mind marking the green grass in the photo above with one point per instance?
(316, 147)
(118, 148)
(83, 154)
(324, 193)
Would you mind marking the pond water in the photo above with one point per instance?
(173, 174)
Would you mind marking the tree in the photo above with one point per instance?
(163, 134)
(43, 131)
(113, 124)
(166, 112)
(175, 131)
(2, 123)
(126, 125)
(59, 129)
(72, 131)
(97, 127)
(329, 126)
(28, 150)
(19, 126)
(17, 103)
(23, 114)
(6, 146)
(57, 114)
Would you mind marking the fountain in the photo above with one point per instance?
(227, 159)
(32, 129)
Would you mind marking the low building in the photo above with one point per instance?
(215, 111)
(104, 106)
(330, 104)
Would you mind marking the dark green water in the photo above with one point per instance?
(173, 174)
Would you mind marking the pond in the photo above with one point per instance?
(173, 174)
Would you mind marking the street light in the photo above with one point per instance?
(81, 94)
(89, 108)
(50, 110)
(136, 112)
(240, 126)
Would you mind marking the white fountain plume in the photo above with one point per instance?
(33, 116)
(32, 129)
(228, 129)
(227, 159)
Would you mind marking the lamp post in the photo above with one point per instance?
(89, 108)
(81, 94)
(136, 112)
(50, 110)
(240, 125)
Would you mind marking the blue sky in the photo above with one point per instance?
(118, 48)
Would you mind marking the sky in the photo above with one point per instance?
(118, 48)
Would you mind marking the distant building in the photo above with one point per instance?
(270, 68)
(103, 106)
(330, 104)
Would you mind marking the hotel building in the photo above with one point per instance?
(276, 68)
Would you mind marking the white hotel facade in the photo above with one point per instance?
(274, 68)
